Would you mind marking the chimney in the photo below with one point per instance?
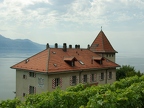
(56, 45)
(64, 47)
(88, 46)
(47, 45)
(76, 46)
(70, 46)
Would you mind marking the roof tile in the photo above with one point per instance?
(45, 60)
(101, 44)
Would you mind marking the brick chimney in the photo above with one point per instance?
(47, 45)
(88, 47)
(76, 46)
(56, 45)
(64, 47)
(70, 46)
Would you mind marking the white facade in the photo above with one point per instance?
(42, 82)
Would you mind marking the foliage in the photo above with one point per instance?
(126, 93)
(10, 103)
(126, 71)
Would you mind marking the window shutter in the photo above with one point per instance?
(71, 80)
(24, 76)
(87, 78)
(90, 77)
(60, 82)
(111, 75)
(99, 76)
(29, 89)
(34, 90)
(82, 80)
(34, 74)
(95, 77)
(108, 77)
(53, 83)
(76, 80)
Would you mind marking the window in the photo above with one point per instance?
(24, 77)
(93, 77)
(72, 63)
(70, 60)
(102, 76)
(55, 65)
(85, 78)
(24, 94)
(53, 52)
(32, 74)
(82, 63)
(97, 45)
(73, 80)
(32, 90)
(57, 82)
(110, 75)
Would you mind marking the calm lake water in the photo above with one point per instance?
(8, 75)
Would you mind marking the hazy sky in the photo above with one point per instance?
(75, 21)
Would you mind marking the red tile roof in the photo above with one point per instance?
(52, 60)
(101, 44)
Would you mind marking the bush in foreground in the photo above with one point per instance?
(128, 92)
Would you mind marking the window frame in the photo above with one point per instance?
(24, 94)
(102, 76)
(110, 75)
(32, 74)
(74, 80)
(57, 82)
(24, 76)
(85, 78)
(32, 90)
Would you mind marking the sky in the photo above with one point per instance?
(75, 22)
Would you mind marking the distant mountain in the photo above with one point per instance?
(19, 45)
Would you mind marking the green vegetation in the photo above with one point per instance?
(126, 93)
(126, 71)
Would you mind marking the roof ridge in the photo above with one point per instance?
(102, 39)
(47, 65)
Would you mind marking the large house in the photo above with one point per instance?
(66, 67)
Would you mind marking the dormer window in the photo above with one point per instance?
(70, 60)
(98, 59)
(72, 63)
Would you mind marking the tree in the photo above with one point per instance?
(126, 71)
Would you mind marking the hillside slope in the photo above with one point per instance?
(19, 45)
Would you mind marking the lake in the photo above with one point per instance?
(8, 75)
